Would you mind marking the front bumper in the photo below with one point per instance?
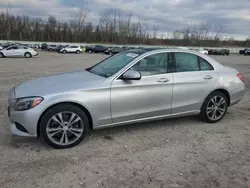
(27, 119)
(24, 123)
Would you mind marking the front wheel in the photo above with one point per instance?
(27, 55)
(64, 126)
(214, 107)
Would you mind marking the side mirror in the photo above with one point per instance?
(131, 75)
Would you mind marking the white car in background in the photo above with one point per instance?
(18, 51)
(71, 49)
(203, 51)
(200, 50)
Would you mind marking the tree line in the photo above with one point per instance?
(114, 27)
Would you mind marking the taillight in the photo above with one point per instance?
(240, 77)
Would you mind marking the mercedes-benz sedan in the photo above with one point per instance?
(132, 86)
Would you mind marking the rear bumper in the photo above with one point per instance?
(236, 97)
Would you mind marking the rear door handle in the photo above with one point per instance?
(163, 80)
(208, 77)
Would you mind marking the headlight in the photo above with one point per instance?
(27, 103)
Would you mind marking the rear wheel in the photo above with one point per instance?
(214, 107)
(64, 126)
(90, 51)
(64, 51)
(27, 55)
(78, 51)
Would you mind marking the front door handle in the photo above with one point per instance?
(163, 80)
(207, 77)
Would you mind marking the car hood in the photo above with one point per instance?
(64, 82)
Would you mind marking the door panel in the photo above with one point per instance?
(193, 81)
(151, 96)
(190, 89)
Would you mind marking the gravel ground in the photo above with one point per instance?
(181, 152)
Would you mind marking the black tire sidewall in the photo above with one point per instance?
(60, 108)
(77, 51)
(29, 55)
(203, 113)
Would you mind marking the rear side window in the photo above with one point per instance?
(186, 62)
(204, 65)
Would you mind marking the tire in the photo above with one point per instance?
(47, 121)
(90, 51)
(27, 55)
(206, 107)
(64, 51)
(1, 55)
(110, 53)
(78, 51)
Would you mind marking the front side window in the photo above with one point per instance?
(186, 62)
(113, 64)
(153, 64)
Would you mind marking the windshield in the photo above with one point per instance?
(113, 64)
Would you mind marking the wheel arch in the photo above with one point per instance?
(60, 103)
(225, 92)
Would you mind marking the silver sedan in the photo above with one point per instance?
(133, 86)
(18, 51)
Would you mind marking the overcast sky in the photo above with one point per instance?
(232, 16)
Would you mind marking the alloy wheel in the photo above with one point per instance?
(64, 128)
(216, 108)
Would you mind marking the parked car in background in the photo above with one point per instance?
(96, 49)
(83, 48)
(115, 50)
(219, 52)
(61, 47)
(71, 49)
(18, 51)
(242, 52)
(52, 47)
(203, 51)
(130, 87)
(247, 51)
(44, 46)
